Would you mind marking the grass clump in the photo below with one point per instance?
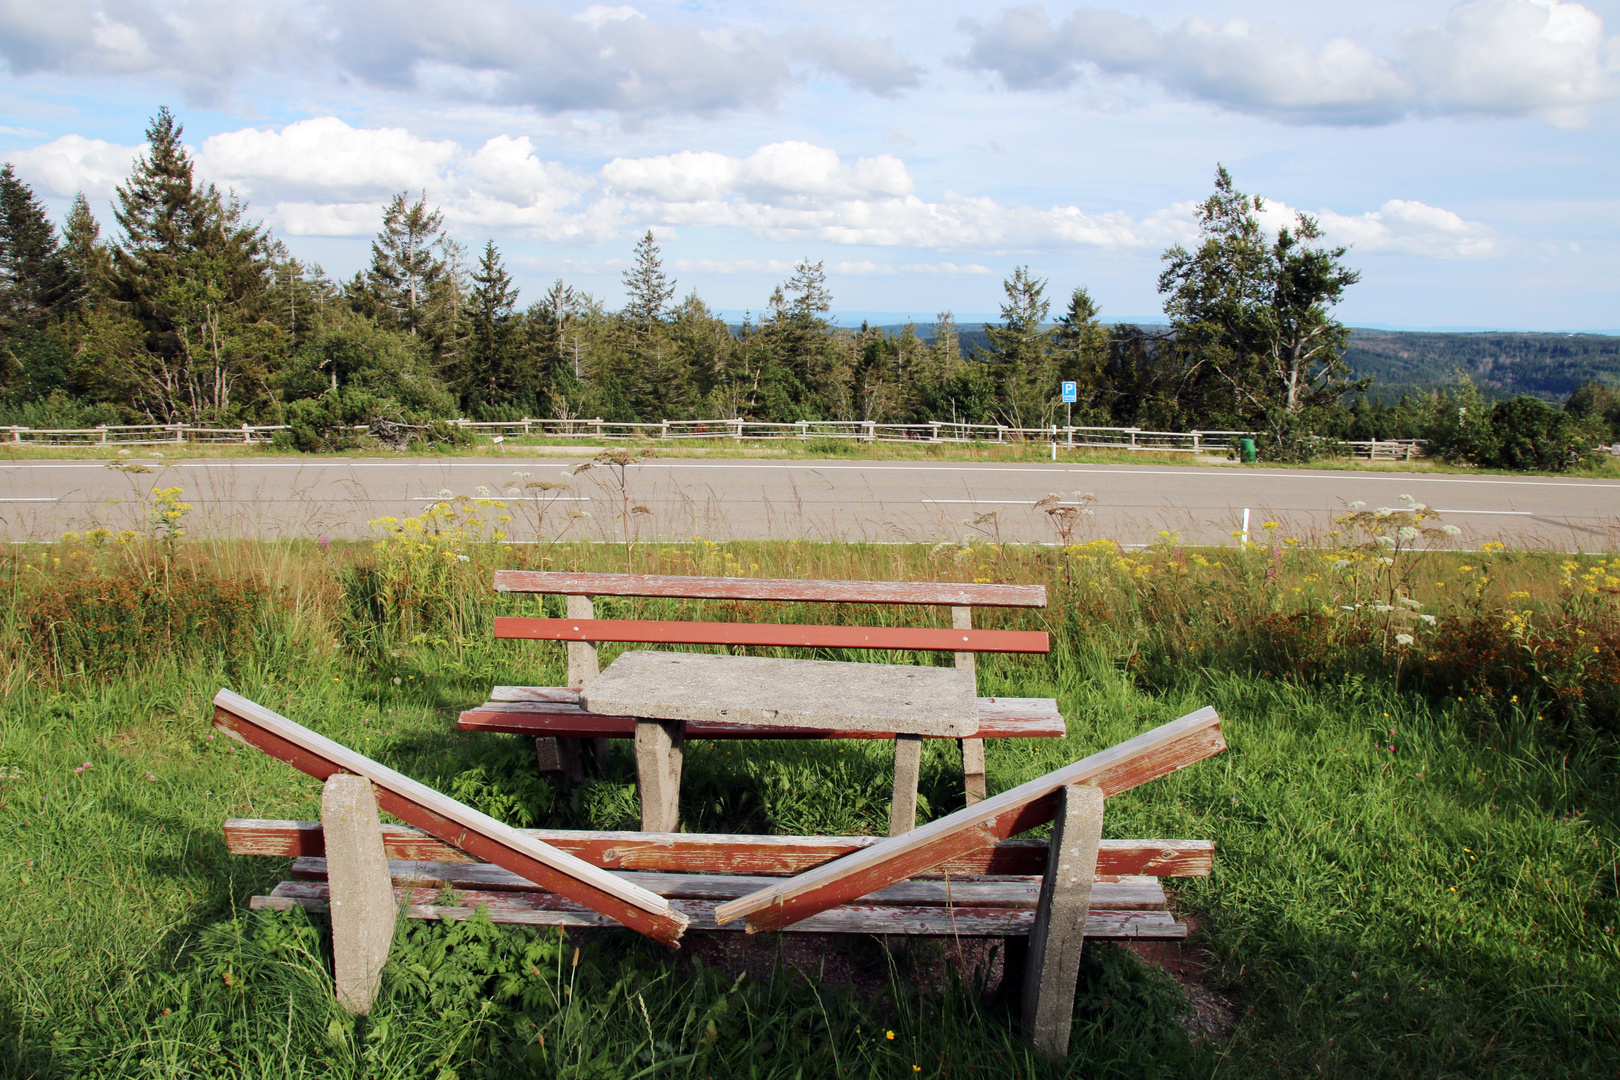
(1416, 867)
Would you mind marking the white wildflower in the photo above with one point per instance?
(1406, 532)
(1382, 609)
(1357, 505)
(463, 558)
(1407, 601)
(1451, 530)
(1404, 639)
(1384, 560)
(1382, 512)
(1341, 564)
(1428, 619)
(482, 490)
(1384, 541)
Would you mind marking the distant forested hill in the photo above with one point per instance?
(1548, 366)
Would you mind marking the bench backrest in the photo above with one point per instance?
(580, 629)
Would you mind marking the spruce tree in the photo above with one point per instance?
(1020, 352)
(412, 278)
(647, 290)
(33, 273)
(493, 371)
(88, 260)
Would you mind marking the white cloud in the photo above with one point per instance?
(1491, 57)
(322, 177)
(502, 52)
(73, 163)
(325, 155)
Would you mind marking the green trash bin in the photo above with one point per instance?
(1250, 454)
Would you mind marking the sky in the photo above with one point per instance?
(1467, 153)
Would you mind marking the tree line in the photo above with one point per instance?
(193, 312)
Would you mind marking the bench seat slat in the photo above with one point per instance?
(718, 853)
(787, 635)
(788, 589)
(546, 909)
(997, 720)
(1133, 893)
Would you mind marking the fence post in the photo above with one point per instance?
(739, 424)
(16, 433)
(1133, 437)
(663, 430)
(103, 429)
(871, 430)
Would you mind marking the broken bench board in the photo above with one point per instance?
(953, 593)
(1119, 768)
(451, 821)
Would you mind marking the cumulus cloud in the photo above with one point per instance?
(322, 177)
(1548, 58)
(502, 52)
(73, 163)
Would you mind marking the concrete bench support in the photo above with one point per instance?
(363, 908)
(660, 745)
(1060, 920)
(907, 770)
(565, 755)
(973, 780)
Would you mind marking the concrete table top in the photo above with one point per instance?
(901, 698)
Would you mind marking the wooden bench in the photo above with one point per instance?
(964, 875)
(554, 716)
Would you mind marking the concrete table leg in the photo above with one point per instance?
(1060, 921)
(362, 905)
(907, 768)
(659, 748)
(973, 781)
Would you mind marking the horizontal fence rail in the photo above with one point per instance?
(739, 430)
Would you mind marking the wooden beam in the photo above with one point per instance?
(789, 589)
(1068, 892)
(702, 853)
(544, 909)
(1150, 755)
(785, 635)
(973, 772)
(999, 718)
(453, 822)
(1133, 893)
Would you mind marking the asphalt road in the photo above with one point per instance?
(850, 500)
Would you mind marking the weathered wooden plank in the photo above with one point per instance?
(999, 718)
(703, 853)
(453, 822)
(544, 909)
(1152, 754)
(974, 784)
(790, 589)
(787, 635)
(1068, 892)
(1126, 893)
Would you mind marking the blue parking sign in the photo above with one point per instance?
(1070, 392)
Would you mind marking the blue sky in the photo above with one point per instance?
(1467, 152)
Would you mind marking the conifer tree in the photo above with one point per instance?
(493, 371)
(647, 290)
(414, 267)
(1020, 352)
(33, 274)
(87, 257)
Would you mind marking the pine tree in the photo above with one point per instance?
(88, 259)
(493, 371)
(1020, 352)
(1080, 349)
(34, 280)
(647, 290)
(192, 270)
(1255, 314)
(412, 278)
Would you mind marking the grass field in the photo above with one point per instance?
(1416, 869)
(791, 449)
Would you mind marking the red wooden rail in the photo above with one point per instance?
(766, 634)
(450, 821)
(700, 853)
(721, 588)
(1150, 755)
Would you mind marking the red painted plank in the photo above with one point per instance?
(792, 589)
(702, 853)
(789, 635)
(454, 823)
(1154, 753)
(540, 718)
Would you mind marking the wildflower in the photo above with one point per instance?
(889, 1035)
(1404, 639)
(1451, 530)
(1430, 619)
(1357, 505)
(463, 558)
(1407, 532)
(150, 776)
(81, 768)
(1407, 601)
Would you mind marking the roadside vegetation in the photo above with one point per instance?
(191, 311)
(1416, 869)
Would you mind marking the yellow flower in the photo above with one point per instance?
(889, 1035)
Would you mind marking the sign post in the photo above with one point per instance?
(1071, 394)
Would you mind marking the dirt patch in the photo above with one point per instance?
(1212, 1012)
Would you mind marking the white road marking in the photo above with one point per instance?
(1512, 513)
(19, 498)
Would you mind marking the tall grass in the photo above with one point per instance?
(1416, 865)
